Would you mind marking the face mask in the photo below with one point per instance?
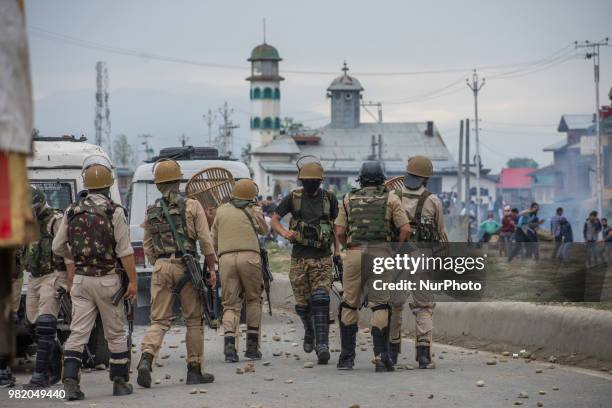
(311, 186)
(170, 191)
(413, 182)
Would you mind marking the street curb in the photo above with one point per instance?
(552, 330)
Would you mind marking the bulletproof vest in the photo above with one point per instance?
(38, 257)
(317, 235)
(91, 237)
(422, 228)
(367, 216)
(161, 232)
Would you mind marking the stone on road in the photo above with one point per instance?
(458, 380)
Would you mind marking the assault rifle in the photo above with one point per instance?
(267, 274)
(129, 310)
(338, 275)
(195, 275)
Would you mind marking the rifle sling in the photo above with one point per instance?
(178, 239)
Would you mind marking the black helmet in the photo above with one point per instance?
(371, 173)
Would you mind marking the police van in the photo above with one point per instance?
(55, 168)
(143, 193)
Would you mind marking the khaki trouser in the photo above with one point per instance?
(166, 273)
(42, 297)
(90, 295)
(355, 281)
(422, 307)
(241, 279)
(16, 285)
(308, 274)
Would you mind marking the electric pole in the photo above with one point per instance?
(593, 53)
(148, 150)
(476, 86)
(460, 164)
(226, 131)
(209, 118)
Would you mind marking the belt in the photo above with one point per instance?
(177, 254)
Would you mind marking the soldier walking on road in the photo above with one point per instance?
(94, 235)
(313, 211)
(47, 276)
(6, 376)
(235, 236)
(367, 220)
(187, 221)
(425, 211)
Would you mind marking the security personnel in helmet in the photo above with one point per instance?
(47, 276)
(313, 211)
(235, 236)
(161, 249)
(426, 215)
(368, 218)
(94, 236)
(6, 376)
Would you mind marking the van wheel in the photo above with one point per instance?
(97, 346)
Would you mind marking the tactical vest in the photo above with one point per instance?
(91, 236)
(422, 228)
(313, 235)
(38, 258)
(161, 233)
(367, 216)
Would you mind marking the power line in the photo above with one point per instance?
(520, 124)
(53, 36)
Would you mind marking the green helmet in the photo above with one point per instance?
(38, 198)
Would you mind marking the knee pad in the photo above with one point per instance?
(46, 325)
(319, 297)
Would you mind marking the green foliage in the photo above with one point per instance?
(123, 154)
(517, 162)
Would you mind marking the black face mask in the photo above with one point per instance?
(311, 186)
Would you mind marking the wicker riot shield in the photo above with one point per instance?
(395, 183)
(211, 187)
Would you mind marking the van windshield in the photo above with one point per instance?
(143, 195)
(59, 193)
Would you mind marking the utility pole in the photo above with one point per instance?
(467, 163)
(593, 53)
(476, 86)
(148, 150)
(102, 118)
(226, 131)
(209, 118)
(183, 140)
(460, 164)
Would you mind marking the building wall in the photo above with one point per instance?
(262, 108)
(345, 109)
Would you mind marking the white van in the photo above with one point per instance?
(55, 168)
(143, 193)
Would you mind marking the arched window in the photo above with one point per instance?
(277, 123)
(267, 93)
(256, 93)
(256, 123)
(276, 93)
(267, 123)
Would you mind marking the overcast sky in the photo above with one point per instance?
(167, 99)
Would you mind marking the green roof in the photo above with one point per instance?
(265, 52)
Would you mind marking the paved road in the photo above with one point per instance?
(452, 383)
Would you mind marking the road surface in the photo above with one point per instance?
(283, 381)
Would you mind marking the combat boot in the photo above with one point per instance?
(309, 333)
(72, 365)
(380, 340)
(319, 301)
(119, 374)
(46, 326)
(195, 375)
(252, 346)
(422, 356)
(6, 377)
(229, 349)
(394, 350)
(348, 340)
(145, 367)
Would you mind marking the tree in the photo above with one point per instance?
(516, 162)
(123, 154)
(289, 126)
